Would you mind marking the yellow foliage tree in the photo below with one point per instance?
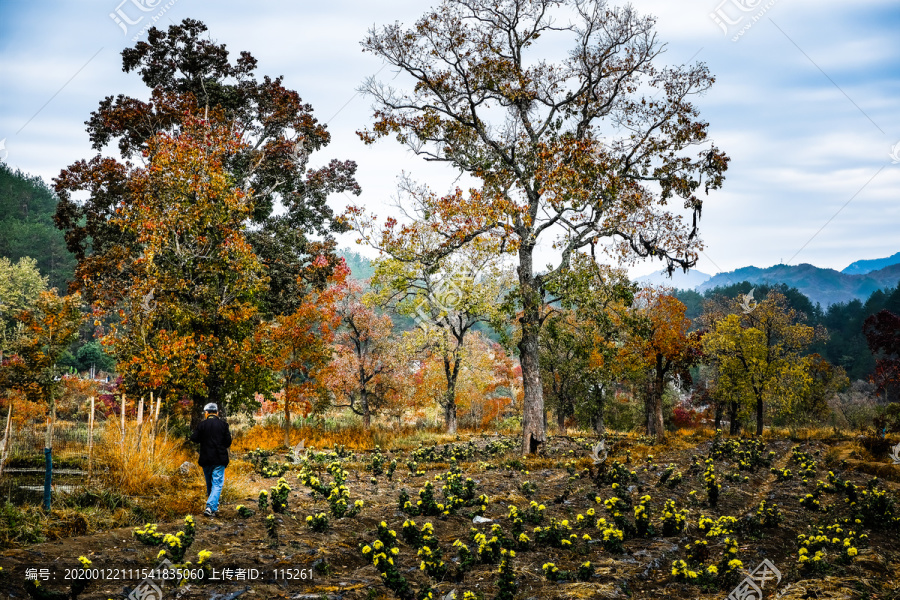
(758, 353)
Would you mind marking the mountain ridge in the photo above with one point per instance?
(820, 285)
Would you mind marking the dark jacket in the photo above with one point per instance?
(214, 438)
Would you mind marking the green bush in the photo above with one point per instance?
(20, 525)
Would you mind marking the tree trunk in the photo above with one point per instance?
(759, 416)
(367, 414)
(599, 404)
(655, 425)
(451, 371)
(719, 406)
(197, 404)
(733, 416)
(534, 429)
(561, 419)
(450, 416)
(287, 417)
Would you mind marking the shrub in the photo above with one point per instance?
(318, 522)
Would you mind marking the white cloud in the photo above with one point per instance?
(800, 148)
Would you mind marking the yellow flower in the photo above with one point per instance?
(852, 552)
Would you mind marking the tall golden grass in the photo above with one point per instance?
(133, 461)
(140, 466)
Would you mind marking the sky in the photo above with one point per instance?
(806, 103)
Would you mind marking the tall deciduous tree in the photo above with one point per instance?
(759, 355)
(49, 327)
(286, 222)
(589, 149)
(192, 294)
(188, 72)
(445, 295)
(368, 367)
(20, 286)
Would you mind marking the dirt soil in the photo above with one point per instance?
(302, 564)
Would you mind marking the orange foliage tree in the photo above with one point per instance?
(191, 298)
(487, 384)
(48, 330)
(299, 345)
(232, 152)
(658, 348)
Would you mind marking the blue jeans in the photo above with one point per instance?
(215, 478)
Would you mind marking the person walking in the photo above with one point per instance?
(214, 438)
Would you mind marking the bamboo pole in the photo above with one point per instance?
(4, 450)
(155, 425)
(91, 440)
(140, 423)
(123, 428)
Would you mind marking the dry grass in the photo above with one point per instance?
(270, 436)
(135, 463)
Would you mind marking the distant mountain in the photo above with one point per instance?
(825, 286)
(861, 267)
(679, 280)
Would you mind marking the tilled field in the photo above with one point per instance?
(565, 545)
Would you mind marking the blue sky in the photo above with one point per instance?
(806, 103)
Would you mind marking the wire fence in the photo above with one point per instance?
(70, 441)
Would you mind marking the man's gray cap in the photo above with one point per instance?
(211, 407)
